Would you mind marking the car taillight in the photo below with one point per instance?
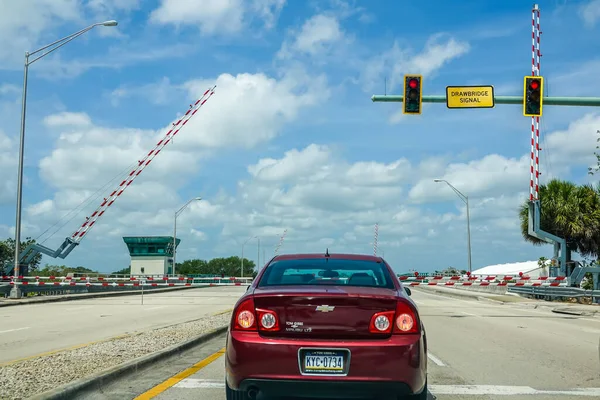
(267, 320)
(406, 320)
(381, 322)
(244, 317)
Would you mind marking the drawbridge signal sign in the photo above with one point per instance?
(470, 96)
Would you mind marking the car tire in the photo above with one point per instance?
(424, 395)
(231, 394)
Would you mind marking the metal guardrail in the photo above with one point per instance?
(555, 291)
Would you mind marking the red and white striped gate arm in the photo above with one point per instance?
(91, 220)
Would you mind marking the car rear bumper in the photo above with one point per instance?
(395, 364)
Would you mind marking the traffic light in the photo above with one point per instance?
(533, 96)
(413, 93)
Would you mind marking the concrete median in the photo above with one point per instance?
(101, 379)
(494, 294)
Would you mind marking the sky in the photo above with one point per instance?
(291, 140)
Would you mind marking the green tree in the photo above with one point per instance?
(124, 271)
(229, 266)
(62, 270)
(568, 211)
(192, 267)
(7, 251)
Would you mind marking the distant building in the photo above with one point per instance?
(152, 253)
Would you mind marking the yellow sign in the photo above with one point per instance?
(470, 96)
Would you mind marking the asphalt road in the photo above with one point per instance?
(29, 330)
(478, 350)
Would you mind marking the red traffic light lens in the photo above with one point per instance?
(534, 84)
(413, 83)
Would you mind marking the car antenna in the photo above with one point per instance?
(327, 255)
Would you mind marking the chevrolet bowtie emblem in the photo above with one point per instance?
(325, 308)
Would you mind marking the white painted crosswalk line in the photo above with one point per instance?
(497, 390)
(191, 383)
(436, 360)
(464, 390)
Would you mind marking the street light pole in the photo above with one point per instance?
(52, 47)
(175, 230)
(243, 244)
(465, 199)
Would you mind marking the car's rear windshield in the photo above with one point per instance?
(322, 271)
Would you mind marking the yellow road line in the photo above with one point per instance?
(223, 312)
(172, 381)
(49, 353)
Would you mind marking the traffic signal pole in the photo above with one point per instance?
(548, 101)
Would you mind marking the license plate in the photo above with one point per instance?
(324, 362)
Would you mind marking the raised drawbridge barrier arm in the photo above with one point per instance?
(27, 255)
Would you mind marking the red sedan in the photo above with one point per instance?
(337, 326)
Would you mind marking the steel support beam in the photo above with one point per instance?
(548, 101)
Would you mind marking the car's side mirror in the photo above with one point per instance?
(407, 290)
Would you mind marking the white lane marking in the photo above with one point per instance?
(192, 383)
(508, 390)
(153, 308)
(472, 315)
(14, 330)
(436, 360)
(473, 390)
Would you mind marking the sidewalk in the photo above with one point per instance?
(556, 307)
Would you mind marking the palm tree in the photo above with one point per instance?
(568, 211)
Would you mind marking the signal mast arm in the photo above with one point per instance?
(28, 254)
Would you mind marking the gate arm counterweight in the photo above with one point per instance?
(34, 249)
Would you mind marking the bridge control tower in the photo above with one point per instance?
(153, 253)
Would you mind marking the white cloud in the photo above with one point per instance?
(198, 235)
(319, 196)
(245, 111)
(29, 24)
(68, 119)
(22, 22)
(577, 142)
(590, 13)
(495, 174)
(216, 16)
(317, 36)
(248, 109)
(268, 11)
(397, 61)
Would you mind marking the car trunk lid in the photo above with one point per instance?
(330, 312)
